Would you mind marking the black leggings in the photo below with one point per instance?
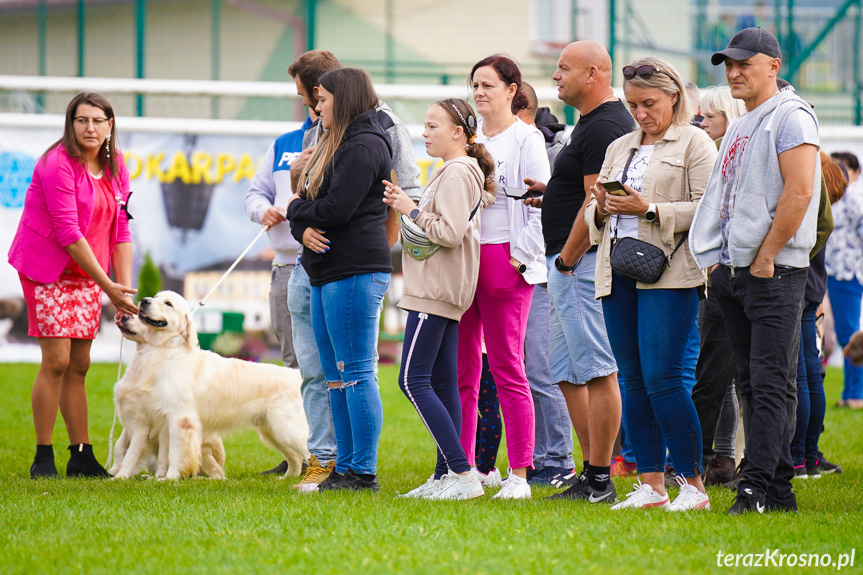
(429, 379)
(488, 428)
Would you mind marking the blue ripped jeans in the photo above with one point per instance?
(345, 315)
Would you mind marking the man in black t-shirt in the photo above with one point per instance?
(581, 358)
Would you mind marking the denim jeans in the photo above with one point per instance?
(714, 373)
(316, 399)
(811, 403)
(763, 320)
(345, 316)
(726, 427)
(553, 447)
(845, 299)
(654, 337)
(626, 450)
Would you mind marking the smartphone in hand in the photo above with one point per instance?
(614, 188)
(521, 193)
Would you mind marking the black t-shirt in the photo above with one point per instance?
(582, 155)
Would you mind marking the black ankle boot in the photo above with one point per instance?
(43, 463)
(83, 463)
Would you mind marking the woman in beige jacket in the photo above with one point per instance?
(440, 288)
(652, 327)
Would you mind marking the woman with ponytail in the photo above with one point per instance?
(512, 261)
(440, 288)
(340, 219)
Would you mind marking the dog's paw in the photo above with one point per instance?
(173, 475)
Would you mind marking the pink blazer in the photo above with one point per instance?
(57, 211)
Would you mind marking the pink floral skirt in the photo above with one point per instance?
(71, 307)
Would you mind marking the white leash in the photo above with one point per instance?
(114, 422)
(230, 269)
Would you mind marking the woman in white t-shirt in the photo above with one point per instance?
(511, 262)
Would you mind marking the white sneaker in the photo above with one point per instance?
(424, 491)
(491, 480)
(642, 496)
(455, 486)
(514, 487)
(689, 498)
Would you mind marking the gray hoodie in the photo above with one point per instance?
(759, 187)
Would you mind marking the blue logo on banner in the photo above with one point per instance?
(16, 171)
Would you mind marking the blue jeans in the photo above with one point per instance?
(345, 315)
(845, 297)
(316, 400)
(654, 337)
(811, 403)
(626, 450)
(553, 447)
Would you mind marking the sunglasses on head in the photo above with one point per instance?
(644, 72)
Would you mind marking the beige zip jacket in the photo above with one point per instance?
(445, 283)
(675, 179)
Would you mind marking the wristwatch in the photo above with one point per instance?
(415, 213)
(561, 267)
(650, 214)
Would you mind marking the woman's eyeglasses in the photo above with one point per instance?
(644, 72)
(83, 122)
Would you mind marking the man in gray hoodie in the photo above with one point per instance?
(757, 220)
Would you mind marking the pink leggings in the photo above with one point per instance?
(500, 310)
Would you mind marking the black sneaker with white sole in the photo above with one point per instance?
(581, 489)
(775, 502)
(825, 466)
(569, 478)
(746, 502)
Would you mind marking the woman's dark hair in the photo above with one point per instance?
(834, 178)
(507, 70)
(107, 158)
(461, 114)
(847, 158)
(353, 94)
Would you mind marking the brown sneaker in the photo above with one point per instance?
(720, 470)
(315, 474)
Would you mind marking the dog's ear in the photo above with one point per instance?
(190, 334)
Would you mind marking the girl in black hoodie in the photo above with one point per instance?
(339, 216)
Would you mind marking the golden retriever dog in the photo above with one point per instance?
(185, 394)
(137, 447)
(854, 349)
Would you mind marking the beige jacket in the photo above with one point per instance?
(445, 283)
(675, 178)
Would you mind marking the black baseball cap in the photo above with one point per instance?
(746, 44)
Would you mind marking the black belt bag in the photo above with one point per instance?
(640, 260)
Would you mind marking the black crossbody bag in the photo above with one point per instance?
(637, 259)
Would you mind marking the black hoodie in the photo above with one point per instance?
(349, 206)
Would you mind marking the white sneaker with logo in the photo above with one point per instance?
(514, 487)
(491, 480)
(424, 491)
(689, 498)
(458, 487)
(642, 496)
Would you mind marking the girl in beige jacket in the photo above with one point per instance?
(440, 288)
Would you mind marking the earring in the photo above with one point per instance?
(108, 145)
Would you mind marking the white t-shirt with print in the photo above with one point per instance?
(627, 226)
(507, 155)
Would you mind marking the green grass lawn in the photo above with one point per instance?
(250, 523)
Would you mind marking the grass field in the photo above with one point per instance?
(249, 523)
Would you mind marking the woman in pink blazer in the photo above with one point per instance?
(73, 231)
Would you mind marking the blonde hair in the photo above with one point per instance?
(667, 79)
(718, 99)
